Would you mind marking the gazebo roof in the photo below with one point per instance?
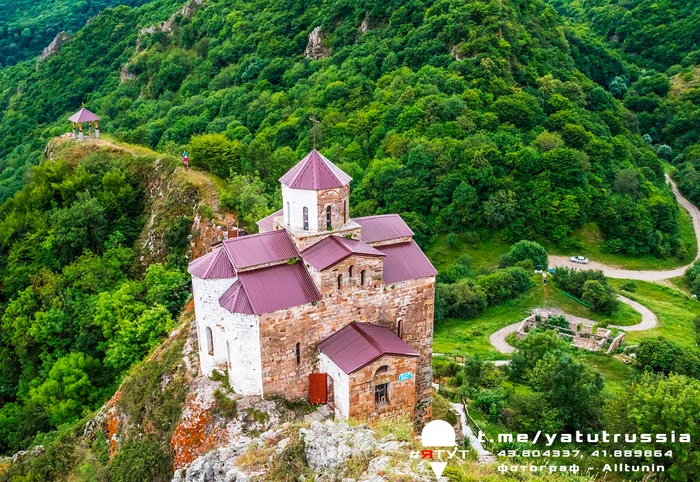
(83, 115)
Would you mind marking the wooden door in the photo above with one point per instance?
(318, 388)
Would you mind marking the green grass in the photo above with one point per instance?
(681, 284)
(676, 312)
(616, 373)
(484, 252)
(471, 337)
(593, 242)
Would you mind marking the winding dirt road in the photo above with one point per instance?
(649, 275)
(649, 321)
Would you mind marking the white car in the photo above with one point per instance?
(578, 259)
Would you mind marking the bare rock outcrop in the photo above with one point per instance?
(316, 49)
(55, 45)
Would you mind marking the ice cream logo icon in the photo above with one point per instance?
(438, 433)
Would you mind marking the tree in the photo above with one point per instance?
(618, 87)
(69, 388)
(81, 226)
(600, 297)
(523, 250)
(665, 152)
(501, 208)
(660, 405)
(627, 182)
(575, 389)
(215, 153)
(533, 349)
(523, 110)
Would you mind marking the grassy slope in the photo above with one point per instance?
(457, 336)
(593, 242)
(488, 251)
(676, 312)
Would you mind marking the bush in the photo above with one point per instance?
(504, 284)
(525, 250)
(464, 299)
(139, 460)
(600, 297)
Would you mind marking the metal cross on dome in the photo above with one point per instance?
(314, 121)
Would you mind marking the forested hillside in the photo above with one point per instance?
(651, 33)
(467, 116)
(28, 26)
(660, 78)
(77, 309)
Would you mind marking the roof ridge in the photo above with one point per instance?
(337, 240)
(367, 337)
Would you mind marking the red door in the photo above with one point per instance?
(318, 388)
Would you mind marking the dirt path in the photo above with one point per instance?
(648, 275)
(649, 321)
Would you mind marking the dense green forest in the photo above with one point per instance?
(660, 78)
(76, 308)
(28, 26)
(654, 34)
(470, 117)
(467, 116)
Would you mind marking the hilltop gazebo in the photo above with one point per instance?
(84, 115)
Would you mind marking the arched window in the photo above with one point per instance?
(289, 215)
(399, 328)
(381, 369)
(306, 218)
(345, 211)
(351, 270)
(329, 221)
(210, 341)
(340, 281)
(363, 277)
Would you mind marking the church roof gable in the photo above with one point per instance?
(214, 265)
(262, 248)
(334, 249)
(315, 172)
(358, 344)
(383, 228)
(270, 289)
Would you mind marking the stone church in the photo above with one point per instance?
(321, 305)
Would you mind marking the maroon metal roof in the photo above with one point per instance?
(236, 300)
(270, 289)
(83, 115)
(315, 172)
(358, 344)
(266, 224)
(262, 248)
(334, 249)
(405, 261)
(382, 228)
(214, 265)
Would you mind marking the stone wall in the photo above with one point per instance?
(402, 394)
(236, 337)
(336, 199)
(411, 301)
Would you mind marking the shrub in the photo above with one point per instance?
(139, 460)
(525, 250)
(223, 405)
(504, 284)
(464, 299)
(600, 297)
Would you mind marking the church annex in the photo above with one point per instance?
(321, 305)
